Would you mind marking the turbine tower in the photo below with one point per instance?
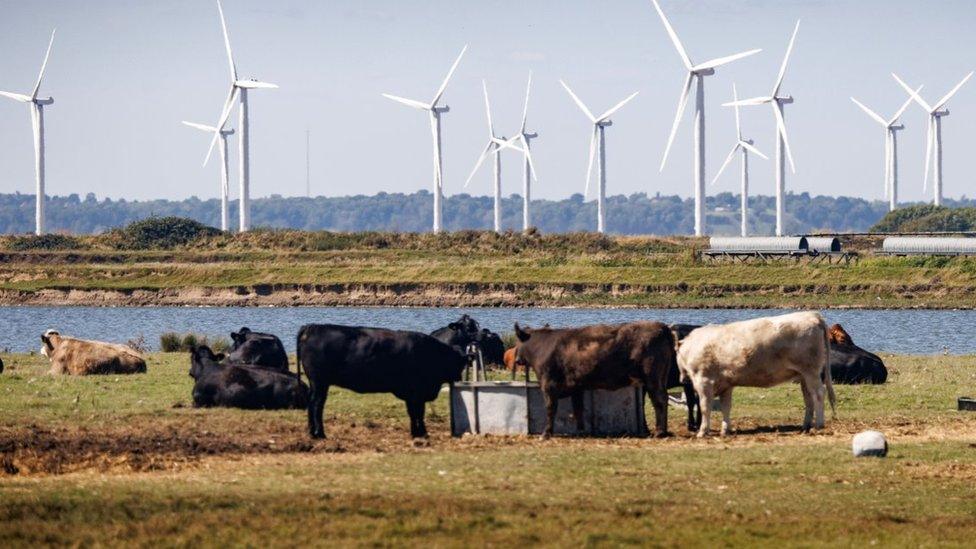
(528, 166)
(598, 140)
(37, 105)
(224, 176)
(696, 73)
(891, 128)
(494, 147)
(933, 141)
(777, 102)
(238, 88)
(434, 112)
(745, 146)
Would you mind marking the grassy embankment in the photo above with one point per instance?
(123, 461)
(293, 267)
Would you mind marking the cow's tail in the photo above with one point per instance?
(298, 353)
(828, 381)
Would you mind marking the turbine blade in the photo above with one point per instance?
(745, 145)
(201, 127)
(616, 107)
(786, 60)
(481, 160)
(16, 96)
(918, 99)
(674, 36)
(781, 126)
(255, 84)
(748, 102)
(440, 91)
(904, 107)
(949, 95)
(230, 53)
(528, 155)
(579, 102)
(589, 167)
(224, 114)
(870, 113)
(738, 122)
(724, 60)
(682, 102)
(40, 76)
(408, 102)
(728, 159)
(525, 110)
(491, 127)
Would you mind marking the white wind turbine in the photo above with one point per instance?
(238, 88)
(528, 166)
(435, 111)
(695, 73)
(777, 102)
(37, 105)
(598, 140)
(494, 147)
(933, 141)
(891, 128)
(224, 169)
(745, 146)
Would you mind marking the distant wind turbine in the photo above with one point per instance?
(598, 140)
(494, 147)
(528, 166)
(745, 146)
(933, 141)
(435, 111)
(37, 105)
(891, 128)
(238, 88)
(776, 101)
(224, 175)
(695, 73)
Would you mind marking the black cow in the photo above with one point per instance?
(674, 380)
(410, 365)
(466, 331)
(570, 361)
(1, 366)
(233, 385)
(851, 364)
(257, 349)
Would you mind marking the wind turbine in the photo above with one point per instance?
(745, 146)
(695, 73)
(598, 139)
(776, 101)
(435, 111)
(37, 105)
(933, 141)
(528, 166)
(891, 128)
(238, 88)
(224, 177)
(494, 147)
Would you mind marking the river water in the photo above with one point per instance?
(920, 332)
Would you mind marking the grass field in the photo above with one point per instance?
(124, 461)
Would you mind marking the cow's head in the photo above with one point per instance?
(241, 336)
(839, 336)
(203, 358)
(49, 340)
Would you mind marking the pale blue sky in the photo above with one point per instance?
(125, 72)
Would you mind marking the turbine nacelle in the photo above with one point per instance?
(605, 123)
(703, 72)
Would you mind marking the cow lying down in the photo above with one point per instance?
(851, 364)
(81, 357)
(235, 385)
(759, 353)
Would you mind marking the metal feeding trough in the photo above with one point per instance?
(967, 404)
(479, 406)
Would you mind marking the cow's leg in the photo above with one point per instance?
(808, 404)
(416, 409)
(577, 398)
(691, 400)
(818, 392)
(657, 391)
(316, 408)
(726, 403)
(552, 403)
(705, 394)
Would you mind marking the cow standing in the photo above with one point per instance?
(410, 365)
(569, 361)
(759, 353)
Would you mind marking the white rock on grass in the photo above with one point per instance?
(870, 443)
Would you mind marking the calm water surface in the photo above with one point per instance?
(900, 332)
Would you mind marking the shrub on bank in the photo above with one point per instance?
(172, 342)
(44, 242)
(162, 233)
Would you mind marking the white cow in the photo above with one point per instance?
(759, 353)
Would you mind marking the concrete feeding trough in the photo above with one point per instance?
(967, 404)
(483, 407)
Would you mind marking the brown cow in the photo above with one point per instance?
(509, 359)
(80, 357)
(570, 361)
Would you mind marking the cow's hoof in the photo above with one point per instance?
(701, 435)
(318, 436)
(663, 434)
(545, 436)
(421, 442)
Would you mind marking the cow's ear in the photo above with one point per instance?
(236, 336)
(522, 335)
(46, 341)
